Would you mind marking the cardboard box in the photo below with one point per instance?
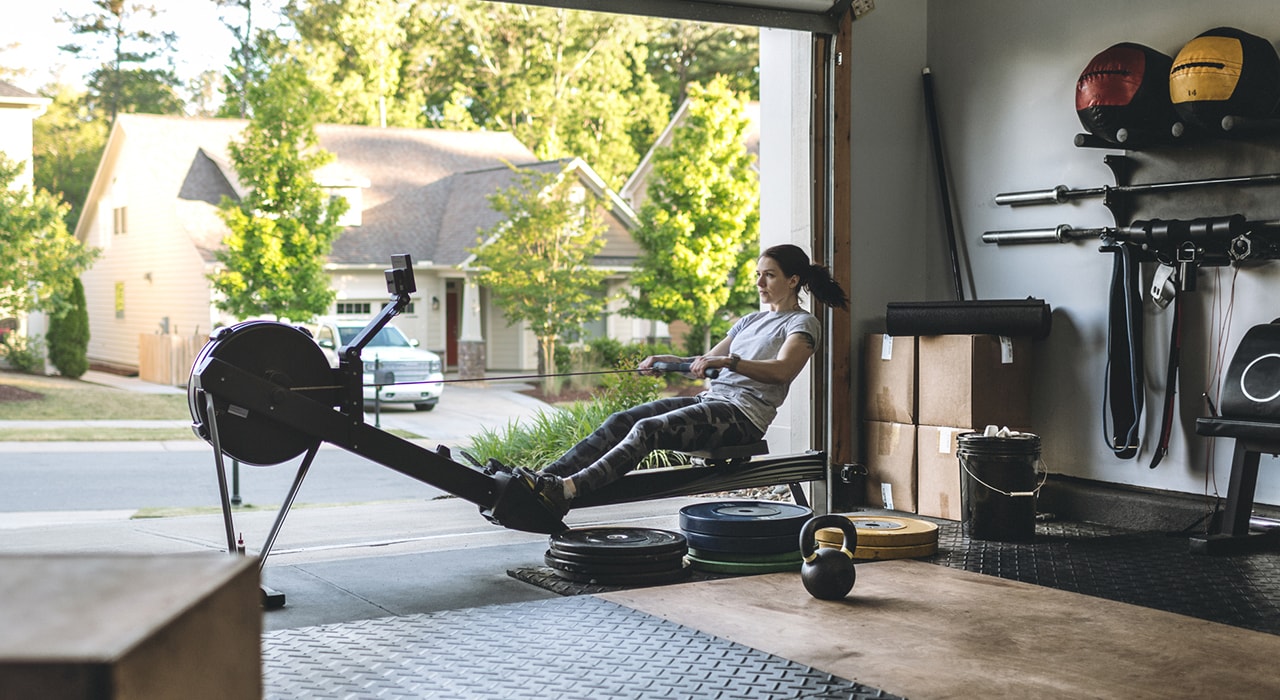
(938, 472)
(891, 465)
(889, 381)
(976, 380)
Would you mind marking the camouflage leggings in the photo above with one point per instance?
(627, 437)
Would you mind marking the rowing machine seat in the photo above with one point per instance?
(728, 454)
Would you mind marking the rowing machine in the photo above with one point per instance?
(262, 393)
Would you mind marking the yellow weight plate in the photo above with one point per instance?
(907, 552)
(883, 531)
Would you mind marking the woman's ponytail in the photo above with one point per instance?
(816, 278)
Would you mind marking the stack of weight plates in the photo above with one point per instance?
(744, 537)
(885, 537)
(618, 556)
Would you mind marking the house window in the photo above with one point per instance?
(364, 308)
(119, 221)
(354, 308)
(119, 299)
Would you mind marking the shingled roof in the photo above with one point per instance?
(9, 90)
(426, 195)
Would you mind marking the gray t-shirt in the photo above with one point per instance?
(759, 336)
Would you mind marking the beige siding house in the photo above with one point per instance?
(152, 210)
(18, 109)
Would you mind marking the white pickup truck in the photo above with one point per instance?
(416, 373)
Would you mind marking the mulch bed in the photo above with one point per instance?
(13, 393)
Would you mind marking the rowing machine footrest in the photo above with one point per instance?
(516, 507)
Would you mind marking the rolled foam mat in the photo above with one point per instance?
(1015, 317)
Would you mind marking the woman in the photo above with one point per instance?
(757, 361)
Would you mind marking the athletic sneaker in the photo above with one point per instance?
(547, 487)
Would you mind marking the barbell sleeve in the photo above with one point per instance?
(1060, 234)
(1056, 195)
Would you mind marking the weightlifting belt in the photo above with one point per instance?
(1124, 385)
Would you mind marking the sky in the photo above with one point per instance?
(203, 42)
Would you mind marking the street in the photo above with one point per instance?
(77, 476)
(180, 474)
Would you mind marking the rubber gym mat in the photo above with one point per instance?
(571, 648)
(1152, 569)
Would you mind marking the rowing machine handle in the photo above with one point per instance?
(683, 368)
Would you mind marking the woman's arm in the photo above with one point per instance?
(795, 352)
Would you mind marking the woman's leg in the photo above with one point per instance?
(611, 432)
(701, 425)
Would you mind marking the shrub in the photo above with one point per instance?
(68, 336)
(551, 432)
(22, 353)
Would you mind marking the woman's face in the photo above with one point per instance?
(776, 289)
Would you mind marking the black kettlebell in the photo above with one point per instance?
(827, 572)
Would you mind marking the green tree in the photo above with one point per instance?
(566, 83)
(247, 52)
(282, 231)
(39, 259)
(358, 46)
(68, 143)
(537, 262)
(681, 53)
(68, 335)
(124, 80)
(700, 222)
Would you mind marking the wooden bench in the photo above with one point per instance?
(119, 627)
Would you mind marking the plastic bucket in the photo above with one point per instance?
(999, 485)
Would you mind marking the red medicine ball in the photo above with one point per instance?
(1125, 87)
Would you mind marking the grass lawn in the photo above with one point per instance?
(32, 397)
(35, 398)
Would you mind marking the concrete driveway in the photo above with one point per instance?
(464, 410)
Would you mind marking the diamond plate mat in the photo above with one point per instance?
(564, 648)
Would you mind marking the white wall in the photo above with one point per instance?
(1005, 75)
(785, 217)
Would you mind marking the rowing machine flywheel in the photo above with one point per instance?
(282, 354)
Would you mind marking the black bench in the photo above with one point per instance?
(1253, 439)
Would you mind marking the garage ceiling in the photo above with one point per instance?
(817, 16)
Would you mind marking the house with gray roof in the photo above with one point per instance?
(152, 210)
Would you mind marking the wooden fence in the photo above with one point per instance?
(167, 359)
